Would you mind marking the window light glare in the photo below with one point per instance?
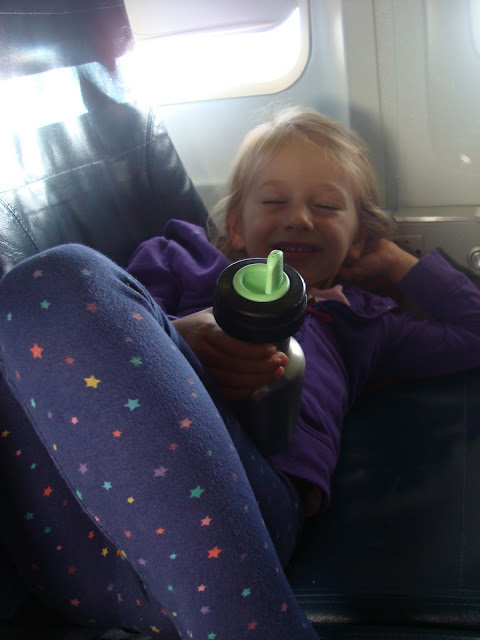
(34, 101)
(55, 94)
(213, 65)
(475, 23)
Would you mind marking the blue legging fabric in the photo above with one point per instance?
(137, 500)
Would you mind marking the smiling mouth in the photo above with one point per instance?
(296, 249)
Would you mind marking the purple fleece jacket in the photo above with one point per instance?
(345, 347)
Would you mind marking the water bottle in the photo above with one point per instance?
(261, 300)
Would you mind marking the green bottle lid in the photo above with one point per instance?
(263, 282)
(260, 299)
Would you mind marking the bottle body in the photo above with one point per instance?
(271, 413)
(243, 311)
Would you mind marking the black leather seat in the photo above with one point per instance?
(396, 555)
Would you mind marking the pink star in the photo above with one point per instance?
(160, 472)
(202, 587)
(284, 607)
(206, 521)
(205, 610)
(75, 602)
(142, 562)
(74, 420)
(185, 423)
(137, 316)
(83, 468)
(37, 273)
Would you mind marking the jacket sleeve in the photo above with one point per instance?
(150, 264)
(448, 342)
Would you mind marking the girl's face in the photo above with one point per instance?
(300, 204)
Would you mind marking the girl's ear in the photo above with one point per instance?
(235, 230)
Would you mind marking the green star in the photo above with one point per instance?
(29, 516)
(173, 556)
(170, 588)
(33, 403)
(197, 492)
(47, 530)
(136, 361)
(246, 592)
(107, 485)
(33, 466)
(79, 494)
(45, 304)
(86, 272)
(9, 316)
(212, 636)
(132, 404)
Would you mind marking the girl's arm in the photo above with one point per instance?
(412, 347)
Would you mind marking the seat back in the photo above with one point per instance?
(78, 162)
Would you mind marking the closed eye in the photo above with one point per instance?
(274, 201)
(329, 207)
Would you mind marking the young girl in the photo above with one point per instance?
(303, 183)
(138, 500)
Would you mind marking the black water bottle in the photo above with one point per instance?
(261, 300)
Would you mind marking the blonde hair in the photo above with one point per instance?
(345, 148)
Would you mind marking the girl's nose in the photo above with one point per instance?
(299, 217)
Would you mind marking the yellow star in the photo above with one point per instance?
(154, 628)
(104, 551)
(92, 382)
(5, 433)
(130, 500)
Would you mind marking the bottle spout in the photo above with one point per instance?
(262, 281)
(274, 272)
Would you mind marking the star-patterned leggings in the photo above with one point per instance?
(136, 499)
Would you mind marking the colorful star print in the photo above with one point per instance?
(132, 404)
(36, 351)
(92, 382)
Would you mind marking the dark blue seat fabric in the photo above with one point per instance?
(396, 554)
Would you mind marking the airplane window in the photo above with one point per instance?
(233, 60)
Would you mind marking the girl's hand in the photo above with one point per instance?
(383, 259)
(237, 367)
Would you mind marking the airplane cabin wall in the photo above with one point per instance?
(404, 74)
